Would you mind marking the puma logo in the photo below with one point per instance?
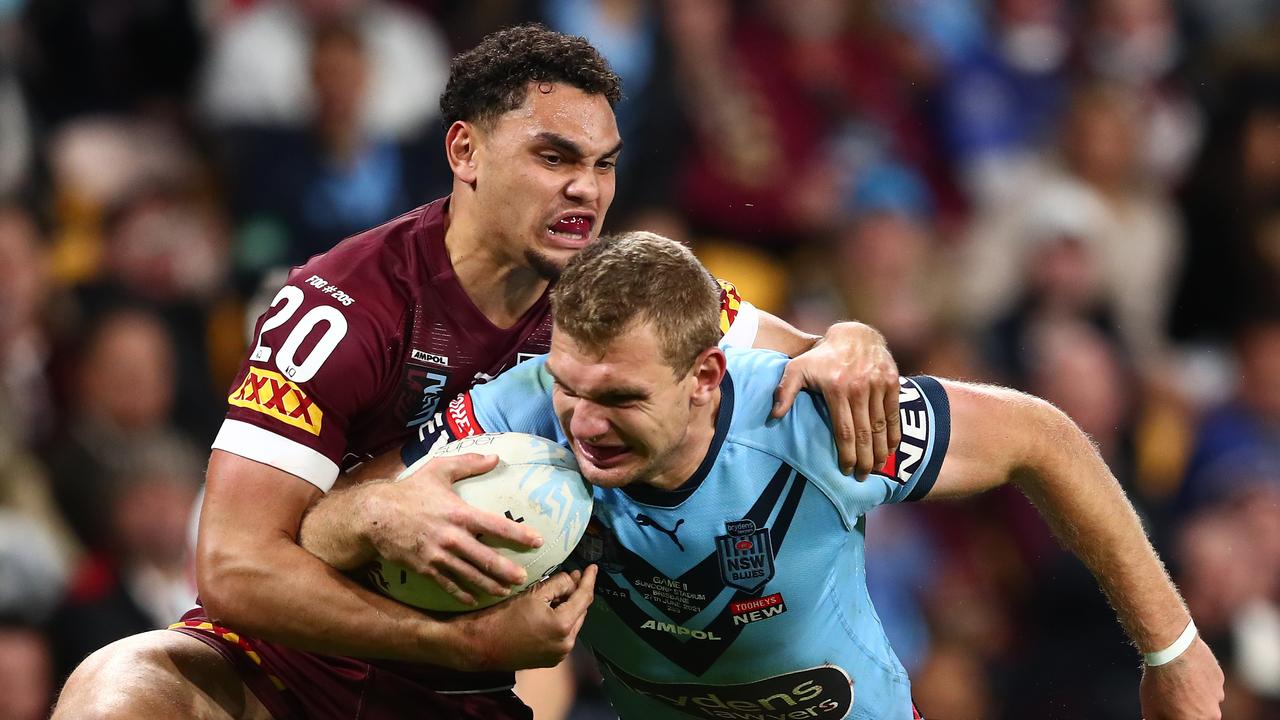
(645, 521)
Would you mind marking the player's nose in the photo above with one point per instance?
(588, 422)
(584, 186)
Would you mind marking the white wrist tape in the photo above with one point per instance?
(1171, 653)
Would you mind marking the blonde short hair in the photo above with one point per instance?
(639, 277)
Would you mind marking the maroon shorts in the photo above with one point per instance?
(299, 685)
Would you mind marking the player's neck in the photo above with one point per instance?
(688, 457)
(502, 288)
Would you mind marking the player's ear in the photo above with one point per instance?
(460, 145)
(708, 370)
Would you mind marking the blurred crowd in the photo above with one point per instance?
(1079, 199)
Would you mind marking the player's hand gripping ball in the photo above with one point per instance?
(536, 481)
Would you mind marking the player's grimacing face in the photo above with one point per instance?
(545, 173)
(625, 412)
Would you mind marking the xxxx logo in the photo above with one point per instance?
(270, 394)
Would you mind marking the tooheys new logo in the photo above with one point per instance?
(915, 434)
(821, 692)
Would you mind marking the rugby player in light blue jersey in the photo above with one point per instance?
(731, 548)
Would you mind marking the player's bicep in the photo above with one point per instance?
(994, 429)
(247, 505)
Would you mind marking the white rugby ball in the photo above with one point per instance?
(536, 482)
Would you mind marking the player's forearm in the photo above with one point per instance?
(778, 335)
(281, 593)
(334, 528)
(1090, 514)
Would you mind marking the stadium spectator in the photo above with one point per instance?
(767, 96)
(121, 403)
(1234, 188)
(257, 68)
(1061, 281)
(1239, 602)
(26, 401)
(26, 672)
(1127, 225)
(142, 579)
(1238, 444)
(296, 190)
(1135, 44)
(1000, 102)
(882, 265)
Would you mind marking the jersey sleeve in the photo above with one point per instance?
(910, 471)
(925, 413)
(518, 400)
(318, 359)
(739, 319)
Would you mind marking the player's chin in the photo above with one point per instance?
(612, 478)
(549, 263)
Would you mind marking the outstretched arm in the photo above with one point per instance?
(1000, 436)
(853, 369)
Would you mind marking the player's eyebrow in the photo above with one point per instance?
(611, 396)
(569, 147)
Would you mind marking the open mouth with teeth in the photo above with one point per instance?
(573, 231)
(604, 456)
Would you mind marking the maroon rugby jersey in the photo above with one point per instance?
(361, 346)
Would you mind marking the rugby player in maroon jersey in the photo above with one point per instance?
(360, 347)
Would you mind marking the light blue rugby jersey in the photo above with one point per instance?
(743, 593)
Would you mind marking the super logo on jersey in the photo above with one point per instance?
(272, 395)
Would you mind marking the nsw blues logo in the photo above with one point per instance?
(745, 555)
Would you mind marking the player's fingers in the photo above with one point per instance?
(791, 382)
(843, 429)
(461, 467)
(861, 411)
(497, 569)
(555, 588)
(507, 527)
(470, 578)
(578, 602)
(893, 421)
(879, 429)
(449, 584)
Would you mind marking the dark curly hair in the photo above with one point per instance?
(491, 78)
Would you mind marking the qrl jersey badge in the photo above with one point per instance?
(270, 394)
(420, 394)
(746, 555)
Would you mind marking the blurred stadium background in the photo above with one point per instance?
(1081, 199)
